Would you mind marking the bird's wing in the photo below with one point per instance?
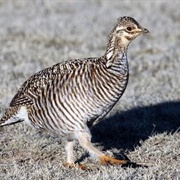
(36, 83)
(20, 100)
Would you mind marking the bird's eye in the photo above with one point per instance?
(129, 28)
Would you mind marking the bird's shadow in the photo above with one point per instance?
(125, 130)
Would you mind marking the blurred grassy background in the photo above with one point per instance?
(144, 125)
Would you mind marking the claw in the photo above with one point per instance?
(69, 165)
(82, 167)
(104, 160)
(72, 165)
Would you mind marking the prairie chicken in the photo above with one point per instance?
(68, 98)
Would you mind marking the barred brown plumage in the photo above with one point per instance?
(69, 97)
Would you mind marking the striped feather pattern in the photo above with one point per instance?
(76, 95)
(67, 96)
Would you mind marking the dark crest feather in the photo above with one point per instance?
(125, 19)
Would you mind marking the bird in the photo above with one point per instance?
(68, 98)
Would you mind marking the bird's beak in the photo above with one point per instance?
(141, 30)
(144, 30)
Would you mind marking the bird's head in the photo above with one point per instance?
(126, 30)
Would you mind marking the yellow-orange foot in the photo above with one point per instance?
(72, 165)
(104, 160)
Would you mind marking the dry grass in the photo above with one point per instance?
(144, 125)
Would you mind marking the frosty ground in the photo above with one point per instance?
(143, 126)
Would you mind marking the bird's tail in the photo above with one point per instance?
(10, 116)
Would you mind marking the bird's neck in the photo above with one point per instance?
(116, 55)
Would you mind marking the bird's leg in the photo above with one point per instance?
(70, 157)
(69, 152)
(85, 141)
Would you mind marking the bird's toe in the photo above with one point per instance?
(104, 160)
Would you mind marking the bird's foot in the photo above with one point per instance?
(104, 160)
(73, 165)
